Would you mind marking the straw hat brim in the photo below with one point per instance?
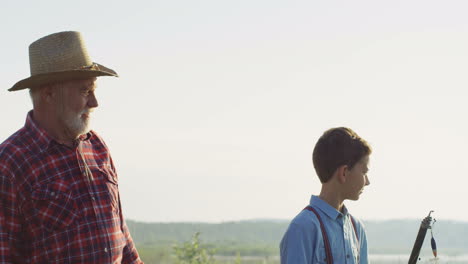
(51, 77)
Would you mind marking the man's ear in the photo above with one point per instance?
(48, 93)
(341, 173)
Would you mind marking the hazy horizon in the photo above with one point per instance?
(287, 220)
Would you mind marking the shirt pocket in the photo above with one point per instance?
(54, 205)
(320, 256)
(109, 187)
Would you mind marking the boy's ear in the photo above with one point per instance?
(341, 173)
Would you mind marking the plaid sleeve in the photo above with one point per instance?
(9, 222)
(130, 254)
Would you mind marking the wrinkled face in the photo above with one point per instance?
(357, 179)
(76, 101)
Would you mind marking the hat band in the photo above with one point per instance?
(93, 67)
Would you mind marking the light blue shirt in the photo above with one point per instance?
(303, 242)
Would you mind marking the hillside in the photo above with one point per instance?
(262, 237)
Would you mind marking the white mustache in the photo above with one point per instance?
(87, 112)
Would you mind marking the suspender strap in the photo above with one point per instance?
(324, 235)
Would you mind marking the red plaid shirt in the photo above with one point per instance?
(60, 204)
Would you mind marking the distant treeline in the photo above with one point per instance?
(261, 238)
(398, 236)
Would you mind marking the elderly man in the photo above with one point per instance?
(59, 198)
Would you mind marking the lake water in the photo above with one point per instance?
(373, 259)
(400, 259)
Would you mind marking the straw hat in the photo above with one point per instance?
(59, 57)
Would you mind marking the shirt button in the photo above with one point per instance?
(105, 250)
(92, 197)
(52, 193)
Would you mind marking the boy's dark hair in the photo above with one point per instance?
(336, 147)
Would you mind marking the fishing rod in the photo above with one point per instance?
(426, 223)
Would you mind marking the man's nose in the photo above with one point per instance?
(92, 101)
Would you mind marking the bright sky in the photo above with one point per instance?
(220, 103)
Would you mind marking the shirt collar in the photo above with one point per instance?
(37, 133)
(40, 135)
(326, 208)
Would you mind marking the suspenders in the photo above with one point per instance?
(328, 251)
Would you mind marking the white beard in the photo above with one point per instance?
(76, 124)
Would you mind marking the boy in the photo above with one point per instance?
(325, 232)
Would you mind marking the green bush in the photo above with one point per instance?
(193, 252)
